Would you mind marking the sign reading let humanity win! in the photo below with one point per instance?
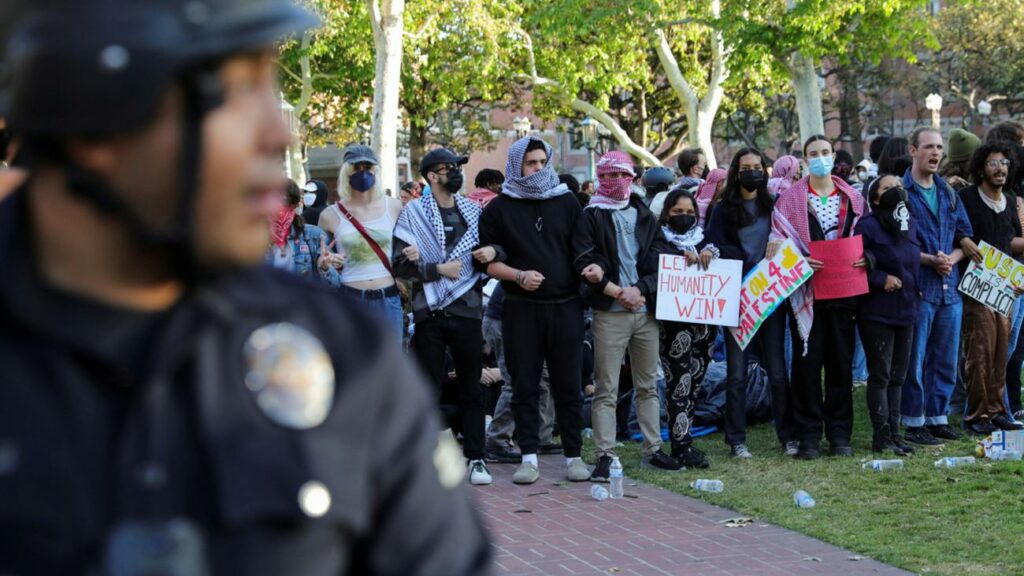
(991, 282)
(689, 293)
(767, 286)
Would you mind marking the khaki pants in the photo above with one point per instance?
(985, 336)
(614, 333)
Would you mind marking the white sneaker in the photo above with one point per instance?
(478, 474)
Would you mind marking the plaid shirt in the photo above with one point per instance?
(938, 234)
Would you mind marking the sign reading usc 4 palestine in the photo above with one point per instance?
(767, 286)
(991, 282)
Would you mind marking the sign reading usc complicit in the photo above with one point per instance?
(992, 280)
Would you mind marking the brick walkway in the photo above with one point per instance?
(657, 533)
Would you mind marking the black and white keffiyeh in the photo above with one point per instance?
(689, 241)
(537, 186)
(420, 225)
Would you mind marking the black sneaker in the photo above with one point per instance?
(921, 436)
(661, 461)
(902, 448)
(502, 455)
(552, 448)
(944, 432)
(840, 451)
(1002, 422)
(979, 427)
(601, 471)
(690, 457)
(808, 451)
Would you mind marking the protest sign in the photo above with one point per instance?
(992, 280)
(767, 286)
(838, 278)
(688, 293)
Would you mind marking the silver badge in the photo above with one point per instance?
(290, 374)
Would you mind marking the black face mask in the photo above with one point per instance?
(454, 182)
(752, 180)
(891, 197)
(682, 223)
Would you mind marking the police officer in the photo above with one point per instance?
(165, 406)
(657, 181)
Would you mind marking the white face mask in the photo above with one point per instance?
(308, 198)
(863, 176)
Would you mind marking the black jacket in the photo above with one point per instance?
(92, 439)
(650, 265)
(595, 242)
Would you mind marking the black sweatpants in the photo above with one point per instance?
(887, 351)
(535, 332)
(464, 337)
(685, 355)
(830, 346)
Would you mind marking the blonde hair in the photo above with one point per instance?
(345, 191)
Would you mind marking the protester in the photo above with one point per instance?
(299, 247)
(170, 404)
(409, 191)
(875, 154)
(574, 186)
(433, 245)
(708, 194)
(820, 206)
(487, 185)
(943, 228)
(314, 200)
(613, 240)
(887, 314)
(863, 174)
(685, 348)
(740, 226)
(986, 333)
(362, 223)
(587, 188)
(956, 167)
(785, 171)
(895, 157)
(843, 166)
(691, 163)
(530, 226)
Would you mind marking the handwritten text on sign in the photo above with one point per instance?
(688, 293)
(767, 286)
(992, 281)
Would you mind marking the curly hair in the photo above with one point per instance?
(980, 158)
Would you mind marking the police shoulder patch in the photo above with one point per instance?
(290, 374)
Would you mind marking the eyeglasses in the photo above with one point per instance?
(997, 163)
(444, 169)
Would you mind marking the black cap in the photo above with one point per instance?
(440, 156)
(358, 153)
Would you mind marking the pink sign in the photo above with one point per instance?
(839, 279)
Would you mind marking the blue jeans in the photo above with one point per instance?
(933, 365)
(1015, 359)
(860, 362)
(389, 310)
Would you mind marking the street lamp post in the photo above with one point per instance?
(984, 110)
(933, 102)
(588, 131)
(288, 115)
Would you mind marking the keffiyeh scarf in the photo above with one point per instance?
(537, 186)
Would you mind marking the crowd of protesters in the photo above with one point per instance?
(530, 296)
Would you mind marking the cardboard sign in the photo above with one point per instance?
(991, 282)
(687, 293)
(767, 286)
(839, 279)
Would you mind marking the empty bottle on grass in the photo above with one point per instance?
(954, 461)
(615, 478)
(598, 492)
(802, 499)
(704, 485)
(883, 465)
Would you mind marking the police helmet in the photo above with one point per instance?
(658, 176)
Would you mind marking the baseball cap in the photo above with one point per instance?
(357, 153)
(440, 156)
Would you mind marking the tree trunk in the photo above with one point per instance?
(386, 18)
(296, 160)
(417, 148)
(804, 78)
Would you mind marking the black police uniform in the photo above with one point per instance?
(131, 442)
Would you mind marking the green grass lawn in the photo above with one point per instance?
(966, 520)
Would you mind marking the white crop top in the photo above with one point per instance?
(363, 263)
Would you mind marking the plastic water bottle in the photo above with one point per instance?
(802, 499)
(707, 485)
(598, 492)
(587, 432)
(615, 478)
(883, 465)
(954, 461)
(1000, 454)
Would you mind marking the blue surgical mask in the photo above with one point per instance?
(362, 180)
(821, 166)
